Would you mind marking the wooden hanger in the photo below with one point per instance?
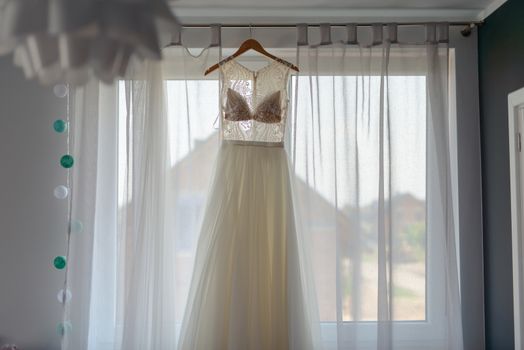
(250, 44)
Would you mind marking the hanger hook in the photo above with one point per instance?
(251, 30)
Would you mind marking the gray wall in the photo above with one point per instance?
(469, 187)
(31, 219)
(501, 68)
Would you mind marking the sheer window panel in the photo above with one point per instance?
(340, 97)
(192, 110)
(408, 103)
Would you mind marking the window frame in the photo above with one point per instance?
(466, 178)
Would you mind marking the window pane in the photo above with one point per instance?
(346, 222)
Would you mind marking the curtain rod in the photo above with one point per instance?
(267, 25)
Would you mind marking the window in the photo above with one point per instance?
(418, 282)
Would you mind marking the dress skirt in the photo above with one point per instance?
(246, 291)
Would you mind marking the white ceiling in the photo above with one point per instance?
(315, 11)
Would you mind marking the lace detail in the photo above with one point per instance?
(237, 109)
(254, 103)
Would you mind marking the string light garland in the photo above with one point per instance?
(63, 192)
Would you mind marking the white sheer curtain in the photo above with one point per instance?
(160, 202)
(368, 139)
(151, 141)
(370, 149)
(87, 110)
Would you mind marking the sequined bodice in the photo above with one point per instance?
(254, 103)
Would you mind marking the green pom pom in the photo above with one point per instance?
(60, 126)
(63, 328)
(67, 161)
(60, 262)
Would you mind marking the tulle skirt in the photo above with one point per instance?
(246, 292)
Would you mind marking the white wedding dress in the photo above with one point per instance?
(247, 290)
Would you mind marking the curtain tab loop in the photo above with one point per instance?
(431, 33)
(176, 37)
(216, 34)
(325, 34)
(302, 34)
(377, 34)
(443, 32)
(352, 34)
(393, 33)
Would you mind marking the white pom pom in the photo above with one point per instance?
(61, 192)
(77, 226)
(64, 297)
(60, 90)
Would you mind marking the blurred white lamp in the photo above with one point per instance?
(68, 41)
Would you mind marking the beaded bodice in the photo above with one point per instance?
(254, 103)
